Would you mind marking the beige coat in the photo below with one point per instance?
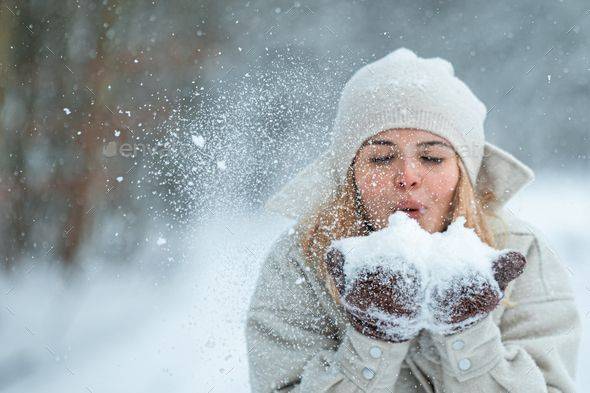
(299, 340)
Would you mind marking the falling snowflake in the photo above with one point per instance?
(198, 140)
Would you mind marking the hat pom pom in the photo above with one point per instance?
(443, 65)
(402, 53)
(405, 54)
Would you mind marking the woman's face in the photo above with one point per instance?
(407, 169)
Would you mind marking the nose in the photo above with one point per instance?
(408, 176)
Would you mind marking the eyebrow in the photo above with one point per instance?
(433, 143)
(385, 142)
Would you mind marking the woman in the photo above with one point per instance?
(408, 136)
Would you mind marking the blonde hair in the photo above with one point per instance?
(343, 216)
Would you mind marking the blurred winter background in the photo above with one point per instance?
(139, 139)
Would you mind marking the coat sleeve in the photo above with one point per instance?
(292, 344)
(535, 350)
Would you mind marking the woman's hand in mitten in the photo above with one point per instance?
(465, 299)
(380, 303)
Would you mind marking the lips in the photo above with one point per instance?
(410, 206)
(413, 208)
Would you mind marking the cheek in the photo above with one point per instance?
(442, 187)
(373, 186)
(372, 183)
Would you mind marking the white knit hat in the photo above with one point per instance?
(402, 90)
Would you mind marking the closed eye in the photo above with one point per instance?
(433, 160)
(381, 159)
(386, 159)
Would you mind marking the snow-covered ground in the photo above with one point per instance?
(145, 332)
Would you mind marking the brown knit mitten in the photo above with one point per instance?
(380, 303)
(465, 299)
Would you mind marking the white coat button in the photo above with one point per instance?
(375, 352)
(368, 373)
(464, 364)
(458, 345)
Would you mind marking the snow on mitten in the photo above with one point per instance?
(461, 301)
(380, 302)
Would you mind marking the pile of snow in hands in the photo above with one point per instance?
(445, 260)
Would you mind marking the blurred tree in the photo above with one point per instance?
(79, 77)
